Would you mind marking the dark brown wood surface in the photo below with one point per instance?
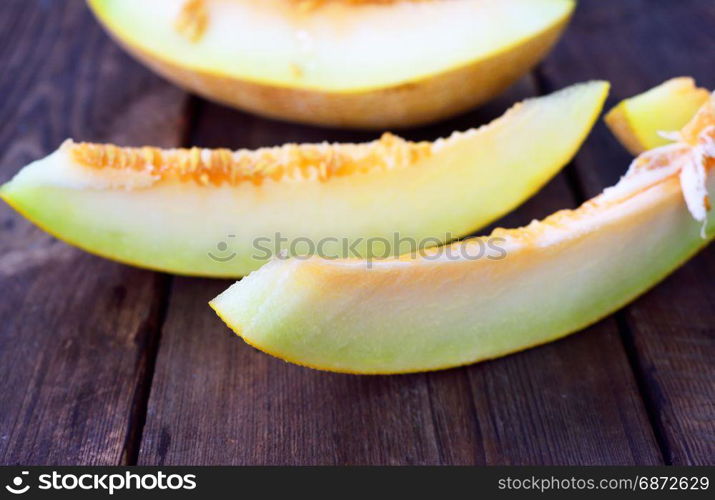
(104, 364)
(670, 332)
(76, 331)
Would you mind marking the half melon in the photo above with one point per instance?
(487, 297)
(640, 121)
(365, 63)
(224, 213)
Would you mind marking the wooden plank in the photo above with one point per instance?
(74, 328)
(238, 406)
(571, 402)
(669, 331)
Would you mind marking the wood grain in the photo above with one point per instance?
(670, 332)
(558, 404)
(75, 328)
(80, 380)
(217, 401)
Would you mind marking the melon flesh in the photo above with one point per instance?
(204, 212)
(373, 64)
(536, 284)
(639, 122)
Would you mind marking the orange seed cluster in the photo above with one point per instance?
(223, 166)
(192, 20)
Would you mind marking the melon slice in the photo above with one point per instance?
(365, 63)
(223, 213)
(486, 297)
(640, 121)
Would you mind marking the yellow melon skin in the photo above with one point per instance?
(224, 213)
(638, 121)
(377, 88)
(451, 307)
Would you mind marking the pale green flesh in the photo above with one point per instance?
(660, 110)
(336, 47)
(178, 227)
(419, 316)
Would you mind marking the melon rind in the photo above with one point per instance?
(555, 277)
(638, 122)
(150, 219)
(349, 64)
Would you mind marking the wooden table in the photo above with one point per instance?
(101, 363)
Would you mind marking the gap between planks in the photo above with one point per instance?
(576, 184)
(149, 336)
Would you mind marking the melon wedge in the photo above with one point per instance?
(368, 64)
(223, 213)
(639, 121)
(486, 297)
